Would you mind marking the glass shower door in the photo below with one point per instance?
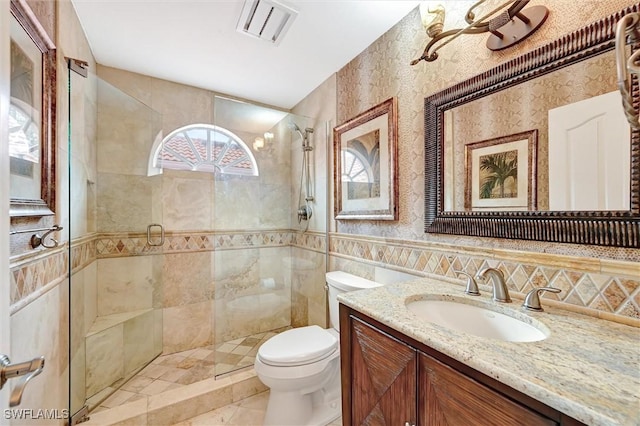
(252, 224)
(117, 237)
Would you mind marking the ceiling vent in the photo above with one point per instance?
(267, 20)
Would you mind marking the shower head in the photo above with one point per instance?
(294, 127)
(306, 146)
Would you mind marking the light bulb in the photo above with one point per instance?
(258, 143)
(432, 17)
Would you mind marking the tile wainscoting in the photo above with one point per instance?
(32, 273)
(610, 286)
(607, 288)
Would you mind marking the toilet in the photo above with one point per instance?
(301, 366)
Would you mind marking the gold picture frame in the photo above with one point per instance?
(365, 165)
(501, 173)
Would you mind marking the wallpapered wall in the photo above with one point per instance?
(382, 71)
(604, 280)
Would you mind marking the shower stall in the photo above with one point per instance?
(193, 234)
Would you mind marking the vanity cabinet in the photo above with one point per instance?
(448, 397)
(391, 379)
(383, 378)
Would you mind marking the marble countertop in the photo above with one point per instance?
(587, 368)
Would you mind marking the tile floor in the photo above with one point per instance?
(173, 371)
(178, 370)
(248, 412)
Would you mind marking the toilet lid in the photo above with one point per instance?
(298, 346)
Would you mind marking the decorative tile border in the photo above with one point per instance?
(117, 245)
(605, 285)
(310, 240)
(608, 286)
(83, 252)
(31, 273)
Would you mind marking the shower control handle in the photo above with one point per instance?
(304, 213)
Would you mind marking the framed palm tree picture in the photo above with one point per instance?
(501, 173)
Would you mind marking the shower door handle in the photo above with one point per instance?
(155, 243)
(27, 370)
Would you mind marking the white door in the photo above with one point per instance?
(4, 196)
(589, 155)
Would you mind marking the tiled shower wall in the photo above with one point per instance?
(207, 273)
(186, 263)
(292, 259)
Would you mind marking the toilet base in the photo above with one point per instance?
(294, 409)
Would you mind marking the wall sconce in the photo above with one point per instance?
(508, 23)
(258, 143)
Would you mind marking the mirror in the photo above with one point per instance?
(501, 148)
(31, 116)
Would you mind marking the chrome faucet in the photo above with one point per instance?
(500, 290)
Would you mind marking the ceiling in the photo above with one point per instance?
(195, 42)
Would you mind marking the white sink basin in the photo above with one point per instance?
(480, 321)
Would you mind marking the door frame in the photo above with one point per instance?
(5, 337)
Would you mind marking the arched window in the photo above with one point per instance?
(206, 148)
(24, 132)
(355, 167)
(361, 173)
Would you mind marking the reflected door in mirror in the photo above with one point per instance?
(589, 146)
(495, 120)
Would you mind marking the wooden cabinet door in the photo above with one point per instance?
(447, 397)
(383, 374)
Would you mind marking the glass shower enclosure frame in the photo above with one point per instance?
(197, 263)
(115, 256)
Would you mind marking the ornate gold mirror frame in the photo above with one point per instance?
(608, 228)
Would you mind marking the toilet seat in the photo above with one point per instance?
(298, 346)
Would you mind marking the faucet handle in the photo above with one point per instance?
(472, 286)
(532, 300)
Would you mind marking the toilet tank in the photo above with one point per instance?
(341, 282)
